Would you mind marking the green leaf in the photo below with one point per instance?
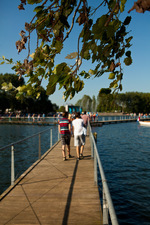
(64, 21)
(128, 39)
(122, 5)
(111, 76)
(51, 87)
(86, 55)
(61, 68)
(120, 87)
(84, 74)
(34, 1)
(128, 53)
(105, 91)
(92, 72)
(46, 49)
(98, 26)
(78, 85)
(113, 84)
(128, 61)
(41, 71)
(58, 46)
(127, 20)
(38, 8)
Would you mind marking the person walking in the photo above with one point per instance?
(64, 127)
(79, 137)
(85, 118)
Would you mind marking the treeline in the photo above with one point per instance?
(135, 102)
(26, 104)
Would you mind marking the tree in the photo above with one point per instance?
(94, 104)
(11, 78)
(62, 108)
(104, 42)
(25, 103)
(130, 102)
(85, 103)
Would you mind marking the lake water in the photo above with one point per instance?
(26, 153)
(125, 154)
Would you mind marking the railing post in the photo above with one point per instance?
(91, 142)
(95, 167)
(51, 137)
(39, 146)
(12, 166)
(105, 209)
(58, 133)
(92, 146)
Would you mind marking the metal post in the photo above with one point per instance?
(95, 136)
(12, 166)
(105, 209)
(58, 133)
(51, 138)
(92, 145)
(39, 146)
(95, 168)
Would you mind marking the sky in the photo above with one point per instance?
(136, 77)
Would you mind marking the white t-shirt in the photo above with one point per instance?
(78, 126)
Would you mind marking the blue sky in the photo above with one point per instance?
(136, 76)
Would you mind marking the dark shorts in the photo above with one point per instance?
(65, 139)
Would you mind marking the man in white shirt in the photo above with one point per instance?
(79, 137)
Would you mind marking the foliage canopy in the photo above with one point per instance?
(105, 42)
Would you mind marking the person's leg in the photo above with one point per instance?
(63, 152)
(68, 150)
(63, 147)
(77, 144)
(81, 149)
(78, 151)
(82, 138)
(68, 137)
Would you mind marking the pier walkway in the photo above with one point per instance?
(54, 192)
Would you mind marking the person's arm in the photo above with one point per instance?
(69, 127)
(59, 129)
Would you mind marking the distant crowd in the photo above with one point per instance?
(41, 117)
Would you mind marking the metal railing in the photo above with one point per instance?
(107, 204)
(12, 147)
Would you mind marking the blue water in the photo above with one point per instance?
(125, 155)
(26, 153)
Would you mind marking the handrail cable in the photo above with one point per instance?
(17, 142)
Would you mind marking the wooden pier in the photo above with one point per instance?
(106, 122)
(48, 123)
(53, 191)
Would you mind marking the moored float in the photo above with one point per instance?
(144, 123)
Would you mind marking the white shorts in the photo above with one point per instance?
(79, 140)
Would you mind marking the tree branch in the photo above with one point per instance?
(72, 21)
(111, 14)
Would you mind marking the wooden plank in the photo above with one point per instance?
(55, 192)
